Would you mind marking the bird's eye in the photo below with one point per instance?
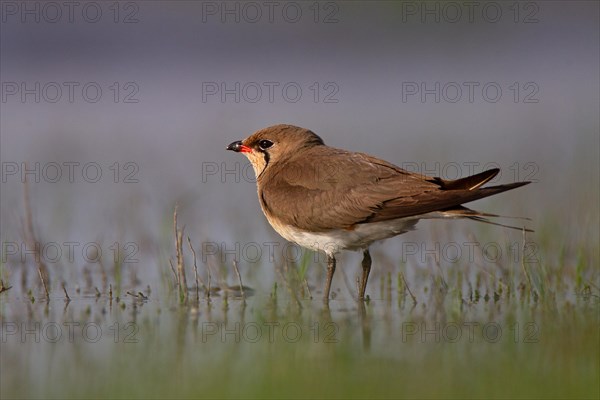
(265, 144)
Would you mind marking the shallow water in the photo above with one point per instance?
(448, 344)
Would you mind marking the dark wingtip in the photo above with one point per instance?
(470, 182)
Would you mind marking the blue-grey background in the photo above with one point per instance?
(364, 55)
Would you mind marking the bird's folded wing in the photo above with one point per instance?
(340, 189)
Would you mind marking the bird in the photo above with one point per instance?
(329, 200)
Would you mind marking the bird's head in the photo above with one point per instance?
(274, 144)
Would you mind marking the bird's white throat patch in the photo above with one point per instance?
(257, 159)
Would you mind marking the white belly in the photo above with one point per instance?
(334, 241)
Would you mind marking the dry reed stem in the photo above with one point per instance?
(31, 239)
(180, 261)
(308, 289)
(197, 278)
(209, 277)
(174, 272)
(414, 299)
(237, 271)
(44, 284)
(67, 298)
(523, 263)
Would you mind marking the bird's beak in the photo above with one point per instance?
(238, 147)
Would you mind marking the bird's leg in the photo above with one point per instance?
(330, 271)
(366, 268)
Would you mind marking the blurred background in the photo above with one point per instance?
(114, 112)
(123, 109)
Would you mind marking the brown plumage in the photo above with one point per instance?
(330, 199)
